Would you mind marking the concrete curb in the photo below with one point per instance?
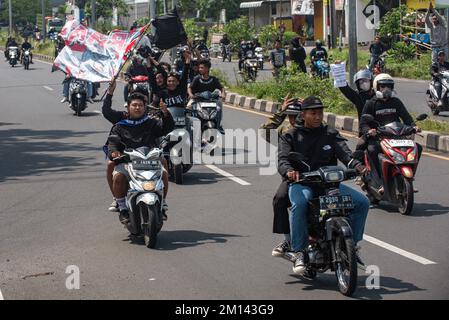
(429, 140)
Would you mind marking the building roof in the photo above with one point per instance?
(257, 4)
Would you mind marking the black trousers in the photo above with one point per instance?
(281, 203)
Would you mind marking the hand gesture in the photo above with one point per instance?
(163, 107)
(293, 176)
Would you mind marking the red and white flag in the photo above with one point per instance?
(92, 56)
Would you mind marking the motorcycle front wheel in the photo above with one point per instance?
(346, 267)
(405, 194)
(150, 228)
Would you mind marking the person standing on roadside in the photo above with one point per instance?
(438, 32)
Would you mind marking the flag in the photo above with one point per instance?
(169, 31)
(92, 56)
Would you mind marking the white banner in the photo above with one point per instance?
(302, 7)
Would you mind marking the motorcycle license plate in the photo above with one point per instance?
(209, 105)
(401, 143)
(336, 202)
(146, 165)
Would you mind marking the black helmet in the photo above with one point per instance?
(318, 43)
(312, 102)
(293, 108)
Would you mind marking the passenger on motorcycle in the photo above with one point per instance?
(317, 53)
(435, 71)
(66, 87)
(385, 107)
(11, 42)
(245, 46)
(26, 46)
(136, 68)
(320, 146)
(205, 82)
(376, 49)
(137, 131)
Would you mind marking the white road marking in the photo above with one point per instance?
(1, 295)
(48, 88)
(97, 111)
(228, 175)
(397, 250)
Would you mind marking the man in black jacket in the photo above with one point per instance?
(435, 71)
(320, 146)
(385, 108)
(298, 54)
(137, 131)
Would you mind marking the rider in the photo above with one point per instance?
(290, 109)
(317, 53)
(11, 42)
(320, 146)
(243, 49)
(256, 43)
(137, 131)
(201, 46)
(376, 49)
(26, 46)
(66, 88)
(205, 82)
(136, 68)
(435, 71)
(224, 41)
(385, 107)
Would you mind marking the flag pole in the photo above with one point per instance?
(128, 55)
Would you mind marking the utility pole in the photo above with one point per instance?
(333, 20)
(44, 29)
(10, 17)
(152, 9)
(93, 13)
(352, 40)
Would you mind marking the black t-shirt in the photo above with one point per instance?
(377, 49)
(200, 85)
(177, 97)
(225, 41)
(26, 46)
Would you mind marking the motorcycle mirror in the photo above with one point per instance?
(367, 118)
(422, 117)
(298, 160)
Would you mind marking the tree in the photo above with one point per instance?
(24, 11)
(239, 29)
(211, 8)
(104, 8)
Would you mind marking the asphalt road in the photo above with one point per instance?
(217, 241)
(411, 92)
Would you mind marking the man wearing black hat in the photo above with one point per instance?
(320, 146)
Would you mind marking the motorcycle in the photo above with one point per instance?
(398, 162)
(322, 68)
(250, 66)
(432, 94)
(13, 53)
(53, 36)
(145, 194)
(226, 52)
(204, 54)
(379, 66)
(331, 242)
(78, 96)
(259, 56)
(206, 108)
(182, 133)
(26, 59)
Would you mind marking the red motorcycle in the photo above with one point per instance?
(398, 162)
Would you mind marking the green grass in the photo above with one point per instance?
(435, 125)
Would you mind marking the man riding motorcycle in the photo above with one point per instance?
(26, 46)
(137, 131)
(435, 71)
(320, 146)
(385, 107)
(376, 49)
(205, 82)
(136, 68)
(224, 41)
(11, 42)
(317, 53)
(245, 46)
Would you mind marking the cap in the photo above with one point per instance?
(312, 102)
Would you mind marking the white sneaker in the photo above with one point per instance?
(64, 100)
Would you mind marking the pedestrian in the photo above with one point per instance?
(277, 58)
(438, 32)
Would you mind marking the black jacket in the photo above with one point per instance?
(322, 146)
(318, 53)
(140, 135)
(177, 97)
(436, 68)
(385, 112)
(110, 114)
(359, 99)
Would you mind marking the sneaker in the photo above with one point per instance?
(113, 206)
(280, 249)
(64, 100)
(300, 264)
(90, 100)
(357, 255)
(124, 216)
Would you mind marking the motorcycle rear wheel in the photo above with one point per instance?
(405, 193)
(346, 269)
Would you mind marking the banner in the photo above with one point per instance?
(302, 7)
(92, 56)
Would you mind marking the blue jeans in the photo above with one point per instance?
(300, 196)
(66, 85)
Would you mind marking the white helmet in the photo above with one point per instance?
(383, 79)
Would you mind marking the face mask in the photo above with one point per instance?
(386, 93)
(365, 86)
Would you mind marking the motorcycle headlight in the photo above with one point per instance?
(335, 176)
(397, 157)
(149, 185)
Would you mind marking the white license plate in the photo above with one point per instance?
(209, 105)
(402, 143)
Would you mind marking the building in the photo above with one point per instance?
(265, 12)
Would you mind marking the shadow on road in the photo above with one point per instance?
(28, 152)
(200, 178)
(328, 282)
(419, 209)
(178, 239)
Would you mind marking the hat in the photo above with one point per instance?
(312, 102)
(293, 109)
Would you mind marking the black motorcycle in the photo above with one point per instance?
(78, 95)
(331, 242)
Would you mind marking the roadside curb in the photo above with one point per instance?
(430, 140)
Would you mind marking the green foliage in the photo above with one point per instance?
(24, 11)
(288, 37)
(192, 28)
(267, 35)
(390, 23)
(221, 76)
(104, 8)
(239, 29)
(400, 51)
(411, 69)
